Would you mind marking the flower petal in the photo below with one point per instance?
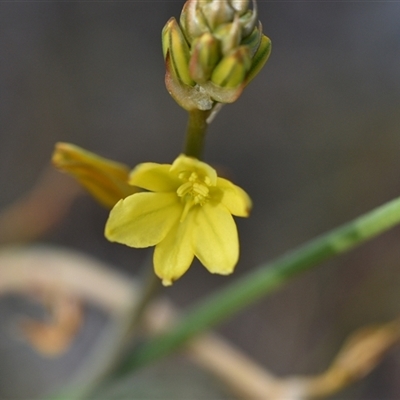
(174, 255)
(143, 219)
(154, 177)
(234, 198)
(215, 239)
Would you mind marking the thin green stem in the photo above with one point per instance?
(195, 133)
(267, 278)
(151, 286)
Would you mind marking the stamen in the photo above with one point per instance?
(207, 180)
(200, 189)
(184, 189)
(194, 191)
(193, 177)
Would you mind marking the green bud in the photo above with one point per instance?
(253, 40)
(214, 51)
(248, 21)
(205, 56)
(229, 36)
(260, 58)
(232, 69)
(165, 37)
(241, 6)
(192, 21)
(174, 43)
(217, 12)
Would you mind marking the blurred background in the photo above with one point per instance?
(314, 139)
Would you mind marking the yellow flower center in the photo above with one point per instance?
(194, 190)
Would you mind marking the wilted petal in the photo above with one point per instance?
(154, 177)
(105, 180)
(174, 255)
(215, 239)
(234, 198)
(143, 219)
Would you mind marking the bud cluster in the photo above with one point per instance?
(213, 52)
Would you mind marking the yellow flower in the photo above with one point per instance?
(186, 212)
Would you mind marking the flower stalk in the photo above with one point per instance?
(195, 133)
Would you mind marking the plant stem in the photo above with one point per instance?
(195, 133)
(267, 278)
(150, 287)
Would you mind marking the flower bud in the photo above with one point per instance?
(205, 56)
(253, 40)
(175, 43)
(217, 13)
(232, 69)
(259, 58)
(241, 6)
(229, 35)
(192, 21)
(214, 51)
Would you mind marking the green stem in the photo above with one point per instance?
(267, 278)
(195, 133)
(151, 286)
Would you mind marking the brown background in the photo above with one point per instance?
(314, 140)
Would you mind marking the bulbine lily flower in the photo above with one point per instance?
(186, 212)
